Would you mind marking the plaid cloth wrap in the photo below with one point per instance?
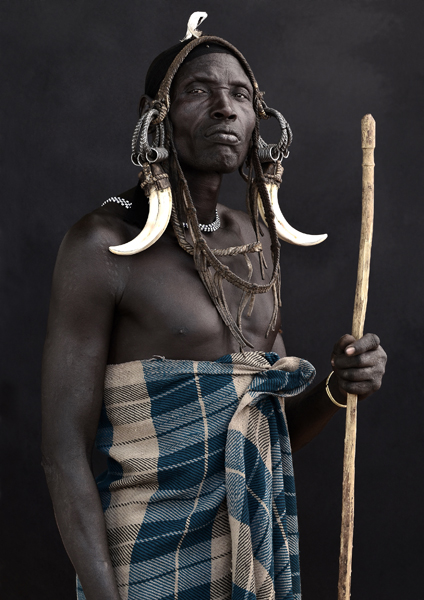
(199, 497)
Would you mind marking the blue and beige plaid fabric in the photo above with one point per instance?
(199, 497)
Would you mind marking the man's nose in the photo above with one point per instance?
(222, 107)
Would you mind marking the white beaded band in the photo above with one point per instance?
(118, 200)
(330, 395)
(208, 227)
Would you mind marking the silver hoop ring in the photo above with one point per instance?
(269, 153)
(151, 154)
(160, 154)
(134, 159)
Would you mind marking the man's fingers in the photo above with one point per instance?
(365, 374)
(370, 341)
(348, 346)
(344, 361)
(359, 388)
(359, 364)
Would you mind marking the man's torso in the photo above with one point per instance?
(163, 307)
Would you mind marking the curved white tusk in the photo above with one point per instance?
(157, 221)
(285, 231)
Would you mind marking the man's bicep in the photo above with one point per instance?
(85, 280)
(76, 349)
(82, 304)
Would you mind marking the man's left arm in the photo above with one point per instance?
(358, 366)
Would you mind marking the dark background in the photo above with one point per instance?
(73, 74)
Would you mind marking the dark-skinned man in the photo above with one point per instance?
(183, 389)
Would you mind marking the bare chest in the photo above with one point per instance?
(166, 310)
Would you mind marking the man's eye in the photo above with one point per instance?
(241, 95)
(197, 91)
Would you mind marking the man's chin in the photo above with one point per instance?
(223, 160)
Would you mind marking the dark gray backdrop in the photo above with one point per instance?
(74, 71)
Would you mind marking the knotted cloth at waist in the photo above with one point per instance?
(199, 497)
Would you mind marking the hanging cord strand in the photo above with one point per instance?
(254, 212)
(260, 182)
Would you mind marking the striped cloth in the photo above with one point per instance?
(199, 497)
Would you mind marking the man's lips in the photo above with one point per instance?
(222, 135)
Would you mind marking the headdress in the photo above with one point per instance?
(159, 161)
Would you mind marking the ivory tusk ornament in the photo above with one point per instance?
(285, 231)
(160, 208)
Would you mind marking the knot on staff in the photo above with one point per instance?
(359, 311)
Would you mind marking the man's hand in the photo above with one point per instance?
(358, 364)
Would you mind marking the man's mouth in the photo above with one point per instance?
(221, 135)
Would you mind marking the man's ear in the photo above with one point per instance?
(145, 104)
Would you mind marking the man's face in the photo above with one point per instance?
(212, 113)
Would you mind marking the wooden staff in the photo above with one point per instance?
(360, 307)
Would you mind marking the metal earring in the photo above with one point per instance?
(141, 151)
(275, 152)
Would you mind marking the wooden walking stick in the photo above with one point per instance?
(360, 307)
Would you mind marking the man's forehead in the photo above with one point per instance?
(166, 66)
(213, 67)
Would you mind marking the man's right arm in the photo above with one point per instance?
(358, 366)
(85, 290)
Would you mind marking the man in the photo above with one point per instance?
(166, 331)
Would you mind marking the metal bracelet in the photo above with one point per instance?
(330, 395)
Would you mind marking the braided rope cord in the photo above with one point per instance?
(154, 179)
(231, 251)
(204, 257)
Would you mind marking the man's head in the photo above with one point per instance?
(212, 100)
(212, 113)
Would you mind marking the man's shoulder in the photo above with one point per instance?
(94, 232)
(84, 255)
(105, 226)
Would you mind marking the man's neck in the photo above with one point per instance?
(204, 190)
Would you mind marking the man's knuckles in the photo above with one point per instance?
(382, 359)
(370, 341)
